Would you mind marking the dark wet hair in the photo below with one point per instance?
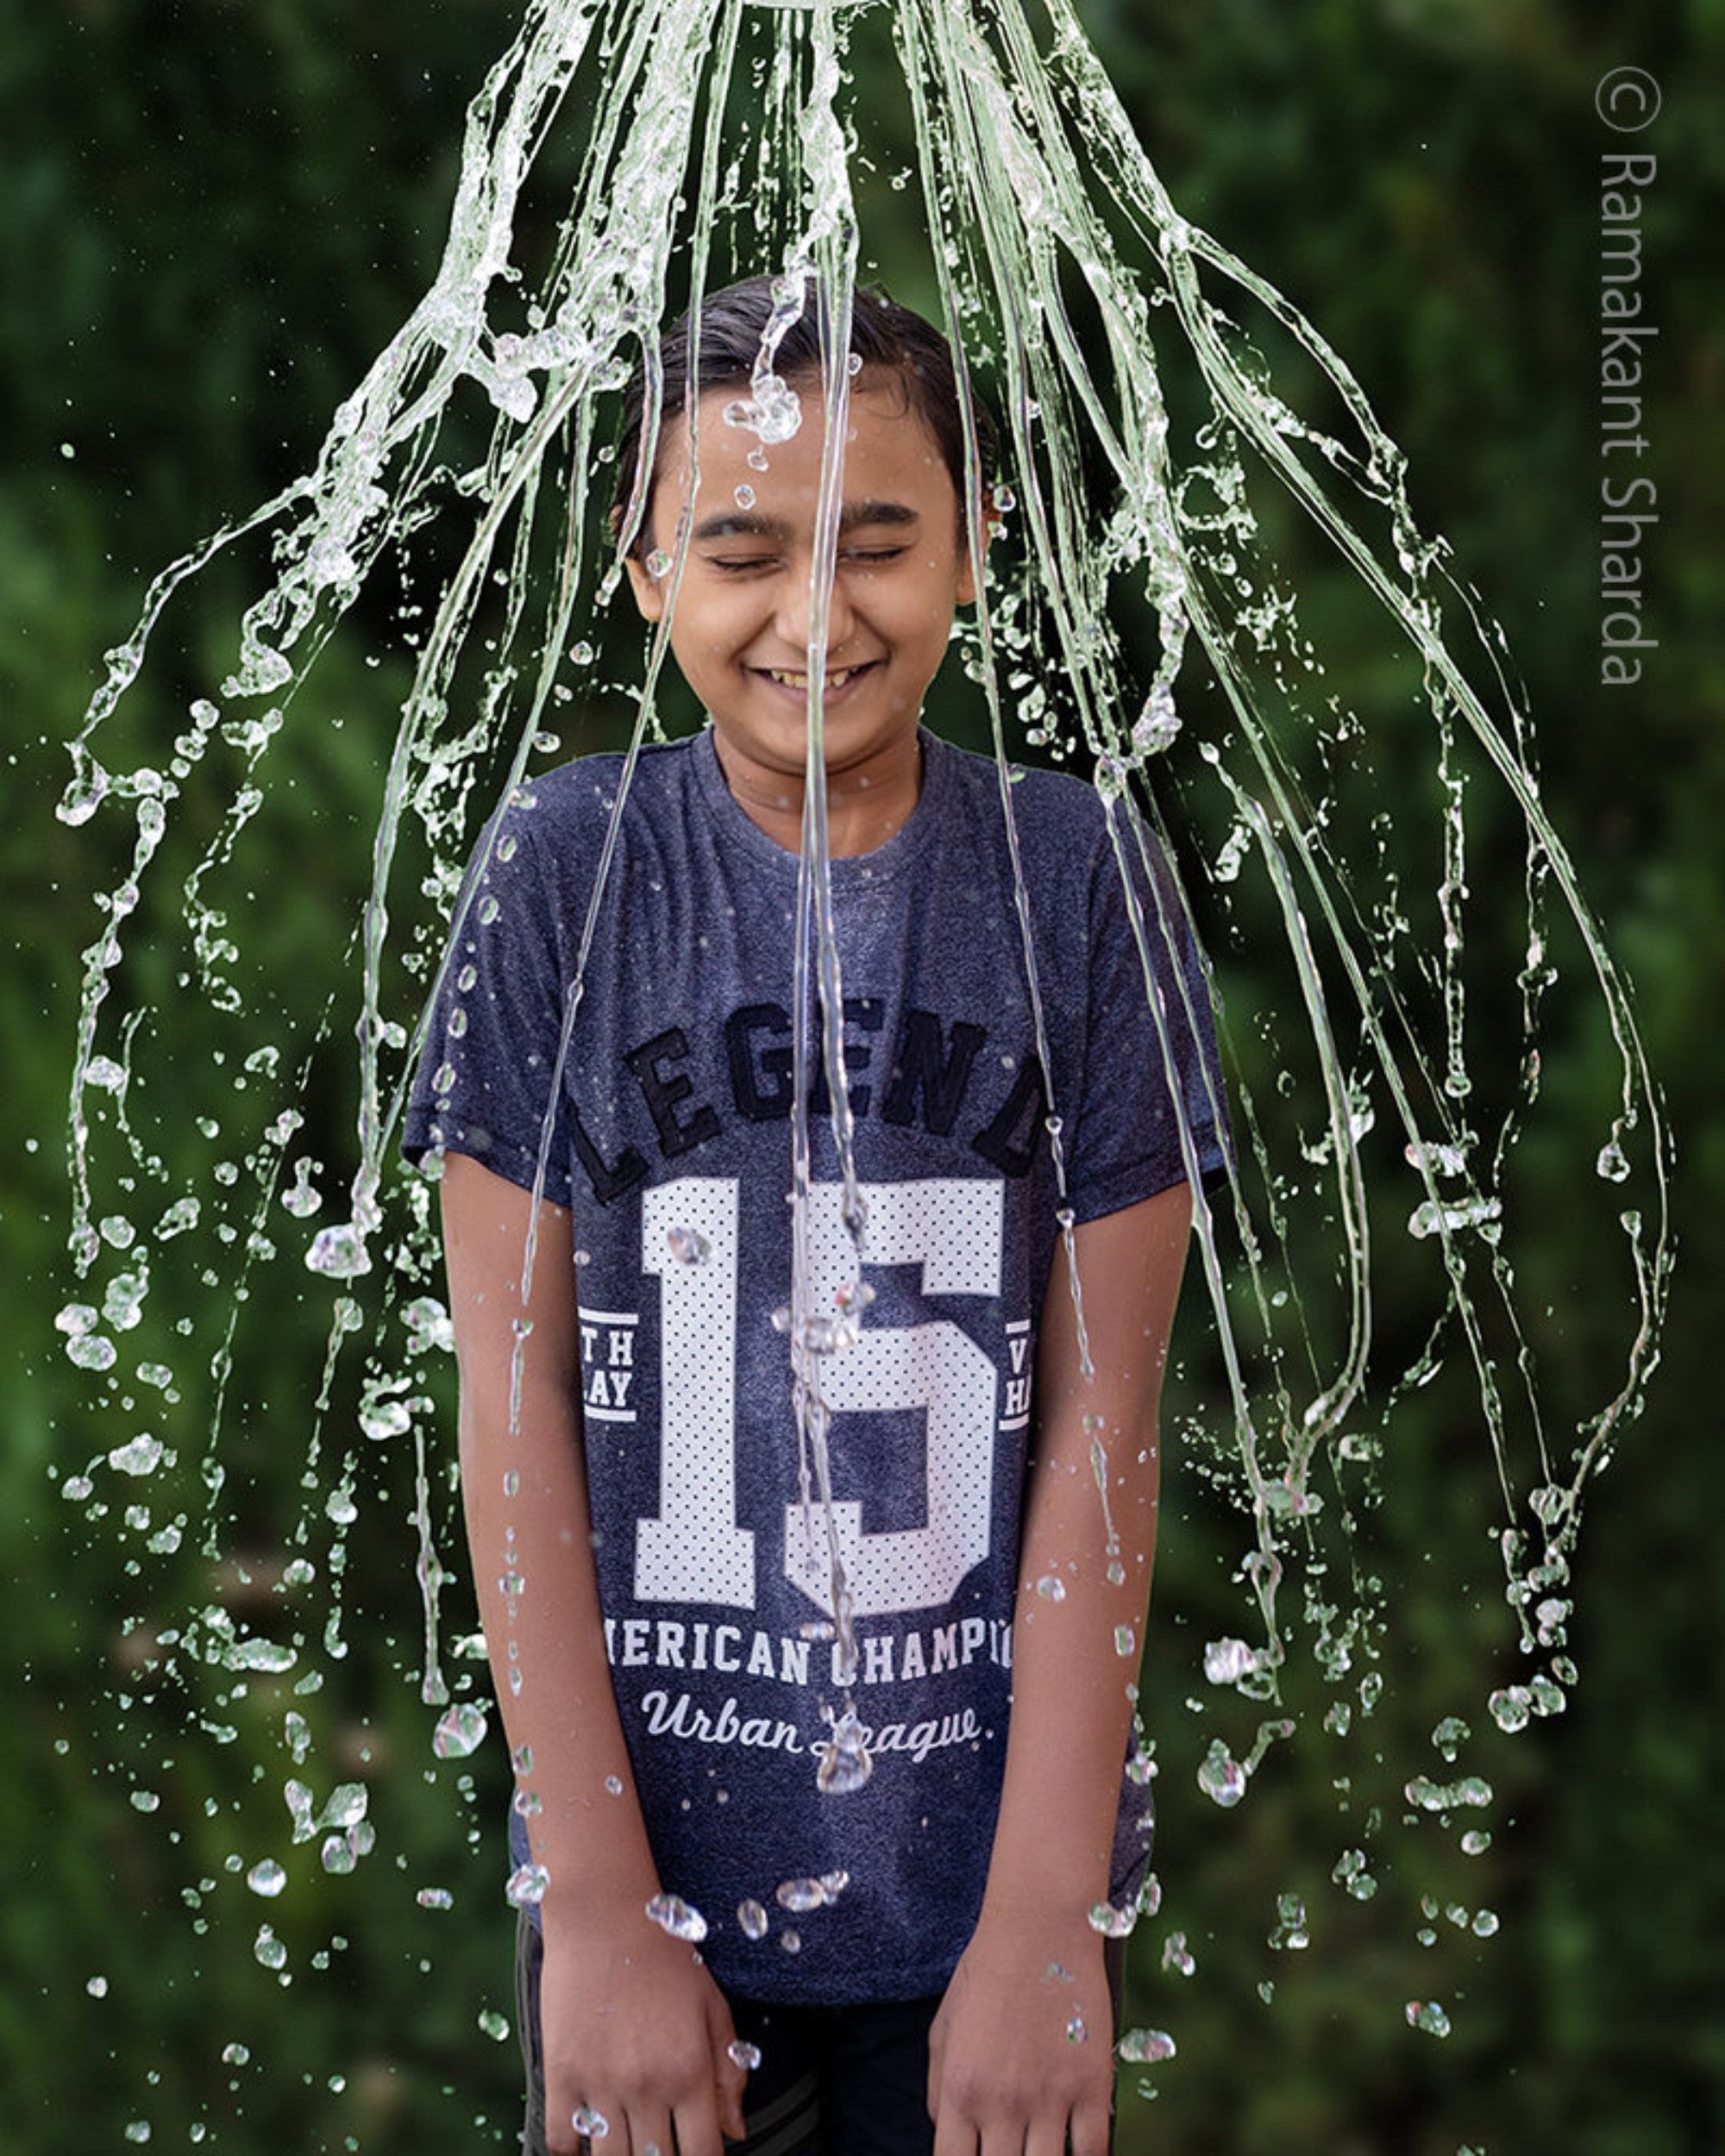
(885, 337)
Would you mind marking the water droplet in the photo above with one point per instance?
(138, 2130)
(382, 1419)
(434, 1898)
(594, 2124)
(268, 1949)
(746, 2055)
(687, 1246)
(341, 1853)
(752, 1919)
(672, 1913)
(1550, 1504)
(1226, 1661)
(339, 1252)
(494, 2024)
(1435, 1216)
(1291, 1931)
(846, 1765)
(1146, 2047)
(1125, 1640)
(1428, 2015)
(461, 1731)
(1450, 1735)
(1051, 1587)
(84, 795)
(1447, 1796)
(299, 1198)
(236, 2054)
(1221, 1778)
(1177, 1956)
(1612, 1164)
(1076, 2031)
(773, 413)
(428, 1325)
(123, 1306)
(1158, 724)
(1511, 1707)
(792, 1942)
(745, 497)
(659, 562)
(97, 1987)
(527, 1885)
(142, 1455)
(1111, 1922)
(1485, 1924)
(181, 1215)
(1547, 1697)
(1475, 1842)
(267, 1878)
(799, 1896)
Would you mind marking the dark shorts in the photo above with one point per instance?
(833, 2081)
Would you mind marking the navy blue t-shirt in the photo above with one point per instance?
(668, 1134)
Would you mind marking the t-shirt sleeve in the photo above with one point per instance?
(488, 1083)
(1151, 1112)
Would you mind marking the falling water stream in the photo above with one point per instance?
(1176, 440)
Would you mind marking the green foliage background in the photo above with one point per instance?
(214, 214)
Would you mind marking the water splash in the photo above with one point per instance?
(1077, 293)
(673, 1914)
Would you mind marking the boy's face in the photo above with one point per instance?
(740, 624)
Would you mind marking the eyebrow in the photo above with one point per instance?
(740, 524)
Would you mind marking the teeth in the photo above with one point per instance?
(800, 680)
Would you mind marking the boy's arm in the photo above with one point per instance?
(1021, 2053)
(632, 2026)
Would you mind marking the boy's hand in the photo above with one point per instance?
(633, 2027)
(1021, 2055)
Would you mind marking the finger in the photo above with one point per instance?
(590, 2131)
(1090, 2128)
(563, 2137)
(953, 2135)
(697, 2128)
(732, 2062)
(937, 2060)
(649, 2134)
(728, 2092)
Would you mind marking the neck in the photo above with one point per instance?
(864, 808)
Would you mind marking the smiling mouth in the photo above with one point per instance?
(831, 683)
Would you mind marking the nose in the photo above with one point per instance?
(796, 609)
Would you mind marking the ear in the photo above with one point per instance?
(987, 519)
(648, 590)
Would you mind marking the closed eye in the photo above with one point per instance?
(741, 564)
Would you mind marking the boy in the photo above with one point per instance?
(910, 1964)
